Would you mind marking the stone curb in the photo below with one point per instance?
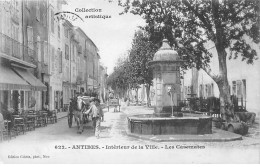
(172, 138)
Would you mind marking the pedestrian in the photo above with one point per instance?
(97, 116)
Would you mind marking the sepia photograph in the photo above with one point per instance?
(129, 81)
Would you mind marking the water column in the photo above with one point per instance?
(166, 80)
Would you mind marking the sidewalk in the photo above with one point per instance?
(61, 115)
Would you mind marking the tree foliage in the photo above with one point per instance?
(197, 22)
(134, 70)
(141, 54)
(190, 25)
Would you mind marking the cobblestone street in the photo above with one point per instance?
(59, 143)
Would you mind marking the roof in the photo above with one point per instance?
(82, 31)
(165, 53)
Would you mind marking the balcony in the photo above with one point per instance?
(15, 49)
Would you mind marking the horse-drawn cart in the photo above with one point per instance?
(76, 109)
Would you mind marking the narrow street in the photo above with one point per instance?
(59, 143)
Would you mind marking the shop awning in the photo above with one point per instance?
(9, 80)
(35, 83)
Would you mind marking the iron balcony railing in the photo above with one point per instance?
(13, 48)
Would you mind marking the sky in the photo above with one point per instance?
(112, 36)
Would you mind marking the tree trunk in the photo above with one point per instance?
(148, 95)
(226, 107)
(136, 95)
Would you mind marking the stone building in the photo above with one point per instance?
(92, 65)
(82, 73)
(243, 79)
(56, 54)
(21, 58)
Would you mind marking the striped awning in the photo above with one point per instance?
(35, 83)
(9, 80)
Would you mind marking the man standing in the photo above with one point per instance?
(97, 116)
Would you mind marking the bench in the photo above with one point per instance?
(113, 103)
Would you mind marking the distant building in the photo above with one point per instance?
(92, 65)
(82, 73)
(103, 89)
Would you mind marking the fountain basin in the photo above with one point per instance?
(150, 124)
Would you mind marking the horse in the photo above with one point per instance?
(82, 105)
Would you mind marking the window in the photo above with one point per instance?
(66, 32)
(44, 20)
(52, 21)
(201, 90)
(58, 31)
(212, 89)
(26, 2)
(239, 89)
(73, 53)
(73, 72)
(244, 88)
(234, 88)
(209, 90)
(45, 54)
(39, 48)
(60, 61)
(52, 58)
(38, 10)
(66, 52)
(30, 37)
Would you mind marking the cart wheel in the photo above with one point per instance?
(231, 128)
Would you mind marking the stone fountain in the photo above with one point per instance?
(167, 117)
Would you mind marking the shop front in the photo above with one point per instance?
(19, 89)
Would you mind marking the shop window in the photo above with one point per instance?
(22, 99)
(56, 95)
(26, 99)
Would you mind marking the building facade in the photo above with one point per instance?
(44, 60)
(21, 86)
(244, 80)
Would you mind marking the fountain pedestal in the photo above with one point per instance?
(166, 78)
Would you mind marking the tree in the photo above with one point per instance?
(223, 22)
(120, 78)
(140, 55)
